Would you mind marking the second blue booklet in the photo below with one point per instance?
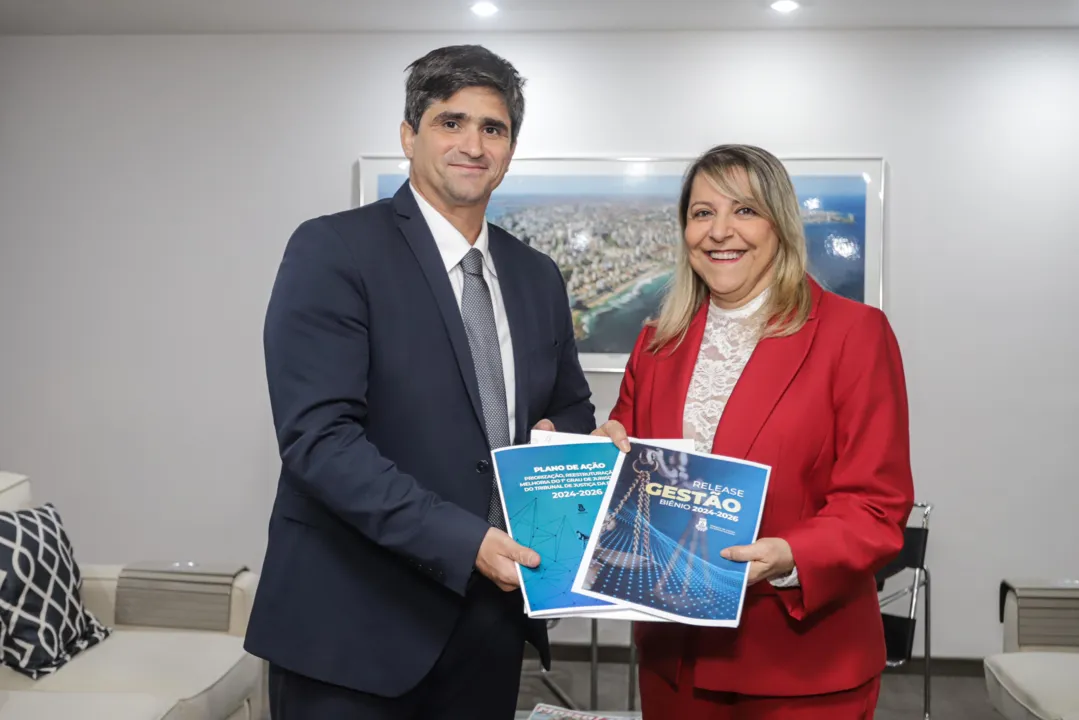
(663, 522)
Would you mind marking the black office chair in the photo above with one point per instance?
(899, 629)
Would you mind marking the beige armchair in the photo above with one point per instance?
(141, 673)
(1036, 676)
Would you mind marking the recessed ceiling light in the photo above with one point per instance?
(484, 9)
(785, 6)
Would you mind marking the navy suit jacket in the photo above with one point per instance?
(386, 469)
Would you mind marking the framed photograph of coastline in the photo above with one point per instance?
(611, 224)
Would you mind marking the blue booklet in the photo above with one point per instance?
(664, 520)
(551, 495)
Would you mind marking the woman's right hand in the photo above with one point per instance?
(616, 432)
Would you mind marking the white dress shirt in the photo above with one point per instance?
(453, 247)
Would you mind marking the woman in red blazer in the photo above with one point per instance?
(753, 359)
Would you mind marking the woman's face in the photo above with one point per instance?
(731, 247)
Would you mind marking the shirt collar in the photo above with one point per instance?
(452, 245)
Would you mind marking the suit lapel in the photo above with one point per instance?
(767, 375)
(511, 284)
(422, 243)
(670, 381)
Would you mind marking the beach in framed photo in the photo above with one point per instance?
(612, 227)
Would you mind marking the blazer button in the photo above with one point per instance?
(483, 466)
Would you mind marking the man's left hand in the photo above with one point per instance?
(767, 558)
(544, 425)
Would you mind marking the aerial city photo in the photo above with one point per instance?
(614, 238)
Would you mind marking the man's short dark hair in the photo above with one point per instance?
(441, 73)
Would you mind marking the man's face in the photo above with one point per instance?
(462, 148)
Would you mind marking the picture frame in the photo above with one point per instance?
(611, 224)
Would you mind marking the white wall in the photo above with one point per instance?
(148, 185)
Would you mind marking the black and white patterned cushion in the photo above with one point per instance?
(43, 622)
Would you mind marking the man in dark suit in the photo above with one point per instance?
(404, 341)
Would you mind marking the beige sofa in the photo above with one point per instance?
(1036, 676)
(140, 673)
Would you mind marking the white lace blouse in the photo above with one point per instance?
(730, 336)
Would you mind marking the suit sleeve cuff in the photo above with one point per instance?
(461, 543)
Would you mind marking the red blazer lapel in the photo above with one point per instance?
(769, 372)
(670, 380)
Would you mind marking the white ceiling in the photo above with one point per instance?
(34, 17)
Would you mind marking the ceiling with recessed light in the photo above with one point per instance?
(33, 17)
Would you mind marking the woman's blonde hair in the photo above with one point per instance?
(772, 197)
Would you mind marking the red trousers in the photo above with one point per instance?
(659, 701)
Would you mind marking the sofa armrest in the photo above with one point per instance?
(1048, 623)
(1009, 616)
(99, 584)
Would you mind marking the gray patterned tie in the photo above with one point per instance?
(479, 317)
